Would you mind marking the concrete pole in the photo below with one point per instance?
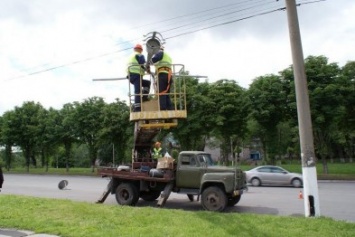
(310, 185)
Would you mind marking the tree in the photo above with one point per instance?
(346, 82)
(229, 110)
(46, 138)
(65, 130)
(117, 130)
(193, 131)
(326, 103)
(267, 105)
(89, 117)
(7, 138)
(26, 122)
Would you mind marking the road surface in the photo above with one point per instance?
(337, 199)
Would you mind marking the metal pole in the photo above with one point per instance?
(113, 155)
(310, 186)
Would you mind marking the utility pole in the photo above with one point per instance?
(310, 185)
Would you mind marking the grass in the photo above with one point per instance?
(75, 219)
(337, 171)
(56, 171)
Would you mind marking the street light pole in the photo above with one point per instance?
(310, 186)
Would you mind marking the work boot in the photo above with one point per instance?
(137, 107)
(145, 93)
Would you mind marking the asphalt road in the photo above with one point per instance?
(337, 199)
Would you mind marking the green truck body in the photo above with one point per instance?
(192, 174)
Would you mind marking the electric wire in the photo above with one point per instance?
(216, 17)
(193, 27)
(226, 23)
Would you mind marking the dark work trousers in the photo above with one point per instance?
(1, 178)
(164, 89)
(135, 79)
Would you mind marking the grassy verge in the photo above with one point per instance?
(336, 171)
(68, 218)
(54, 171)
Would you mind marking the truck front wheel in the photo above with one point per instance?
(233, 200)
(214, 199)
(127, 194)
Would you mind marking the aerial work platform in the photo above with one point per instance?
(151, 116)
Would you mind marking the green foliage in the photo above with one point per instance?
(222, 112)
(266, 101)
(196, 128)
(67, 218)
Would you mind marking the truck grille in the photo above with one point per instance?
(239, 179)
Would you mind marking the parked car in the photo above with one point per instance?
(273, 175)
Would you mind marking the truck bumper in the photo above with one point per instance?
(237, 192)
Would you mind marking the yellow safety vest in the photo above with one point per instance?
(133, 65)
(157, 153)
(164, 65)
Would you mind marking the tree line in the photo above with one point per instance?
(220, 114)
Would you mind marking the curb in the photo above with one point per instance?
(21, 233)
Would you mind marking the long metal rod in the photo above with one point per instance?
(110, 79)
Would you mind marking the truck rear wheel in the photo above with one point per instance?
(233, 200)
(150, 196)
(214, 199)
(127, 194)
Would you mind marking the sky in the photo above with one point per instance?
(51, 50)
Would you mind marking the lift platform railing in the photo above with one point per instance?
(150, 114)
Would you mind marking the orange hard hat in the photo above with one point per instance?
(138, 46)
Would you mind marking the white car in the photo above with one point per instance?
(273, 175)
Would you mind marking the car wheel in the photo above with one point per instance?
(255, 182)
(214, 199)
(296, 183)
(127, 194)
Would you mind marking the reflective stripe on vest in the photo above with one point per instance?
(157, 153)
(133, 65)
(164, 65)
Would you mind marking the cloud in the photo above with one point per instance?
(86, 39)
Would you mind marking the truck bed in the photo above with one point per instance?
(136, 174)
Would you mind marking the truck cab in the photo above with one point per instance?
(219, 186)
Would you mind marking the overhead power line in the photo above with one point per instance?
(226, 23)
(216, 17)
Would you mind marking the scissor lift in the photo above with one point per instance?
(151, 119)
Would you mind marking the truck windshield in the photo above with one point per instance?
(205, 158)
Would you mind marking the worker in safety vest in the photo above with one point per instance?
(157, 151)
(1, 177)
(135, 71)
(163, 68)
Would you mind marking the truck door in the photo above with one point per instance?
(189, 172)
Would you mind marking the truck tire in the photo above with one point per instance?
(127, 194)
(150, 196)
(214, 199)
(232, 201)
